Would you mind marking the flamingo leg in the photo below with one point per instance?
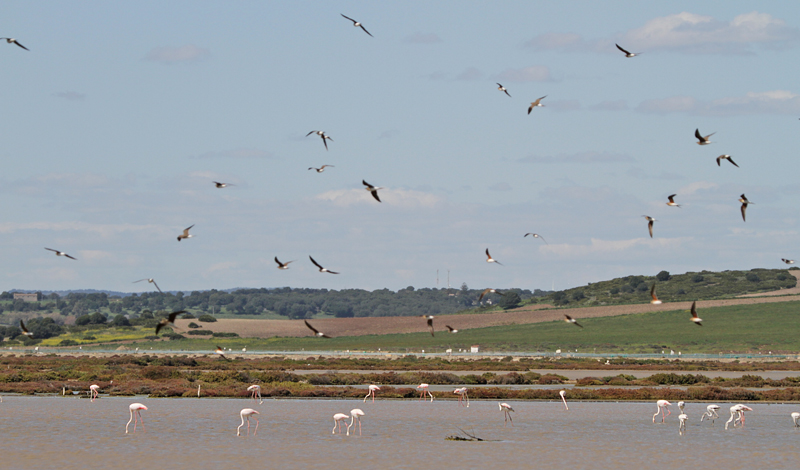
(128, 423)
(141, 420)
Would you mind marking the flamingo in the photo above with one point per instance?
(563, 394)
(137, 417)
(255, 391)
(683, 418)
(711, 413)
(737, 414)
(462, 395)
(372, 389)
(94, 391)
(424, 388)
(355, 415)
(337, 421)
(795, 417)
(681, 405)
(506, 408)
(247, 413)
(662, 405)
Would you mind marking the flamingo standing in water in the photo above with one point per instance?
(337, 421)
(737, 414)
(355, 415)
(136, 416)
(506, 409)
(372, 389)
(255, 391)
(662, 405)
(711, 413)
(563, 394)
(246, 413)
(682, 418)
(424, 388)
(94, 391)
(795, 418)
(462, 395)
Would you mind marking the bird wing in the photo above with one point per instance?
(325, 142)
(526, 235)
(311, 327)
(140, 280)
(315, 264)
(70, 257)
(186, 230)
(487, 254)
(375, 195)
(697, 135)
(50, 249)
(20, 45)
(650, 228)
(367, 184)
(430, 325)
(159, 289)
(694, 309)
(545, 241)
(365, 30)
(623, 50)
(310, 133)
(160, 325)
(332, 272)
(670, 197)
(449, 328)
(484, 293)
(744, 209)
(653, 292)
(171, 317)
(351, 19)
(718, 159)
(530, 108)
(22, 327)
(734, 163)
(276, 258)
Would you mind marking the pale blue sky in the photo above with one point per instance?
(121, 115)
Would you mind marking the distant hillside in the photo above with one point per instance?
(705, 285)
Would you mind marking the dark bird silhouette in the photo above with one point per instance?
(169, 320)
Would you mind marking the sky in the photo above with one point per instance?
(120, 116)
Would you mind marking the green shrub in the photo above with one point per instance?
(206, 318)
(193, 325)
(222, 334)
(200, 332)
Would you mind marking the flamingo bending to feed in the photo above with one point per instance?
(246, 413)
(795, 418)
(662, 405)
(506, 409)
(683, 418)
(94, 391)
(423, 388)
(462, 395)
(337, 421)
(737, 414)
(255, 391)
(136, 416)
(372, 389)
(711, 413)
(563, 394)
(355, 416)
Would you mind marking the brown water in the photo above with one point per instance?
(70, 433)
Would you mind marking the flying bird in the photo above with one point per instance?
(25, 330)
(320, 169)
(185, 233)
(221, 353)
(787, 261)
(536, 103)
(695, 318)
(284, 265)
(672, 201)
(650, 221)
(503, 89)
(654, 300)
(222, 185)
(451, 329)
(569, 319)
(627, 54)
(317, 333)
(358, 25)
(372, 189)
(536, 235)
(489, 291)
(489, 258)
(702, 140)
(726, 157)
(430, 323)
(14, 41)
(321, 134)
(321, 269)
(170, 319)
(60, 253)
(151, 281)
(744, 202)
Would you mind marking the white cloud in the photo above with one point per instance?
(768, 102)
(564, 105)
(534, 73)
(692, 188)
(174, 55)
(558, 41)
(422, 38)
(583, 157)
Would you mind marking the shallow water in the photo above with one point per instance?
(71, 433)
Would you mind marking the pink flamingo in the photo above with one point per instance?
(355, 415)
(711, 413)
(462, 395)
(94, 391)
(795, 417)
(337, 422)
(137, 417)
(682, 418)
(424, 388)
(662, 405)
(506, 408)
(255, 391)
(737, 414)
(563, 394)
(372, 389)
(246, 413)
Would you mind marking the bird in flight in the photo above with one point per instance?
(320, 169)
(569, 319)
(536, 235)
(170, 319)
(286, 264)
(627, 54)
(321, 269)
(787, 261)
(430, 322)
(702, 140)
(14, 41)
(60, 253)
(222, 185)
(317, 333)
(695, 318)
(537, 103)
(503, 89)
(25, 330)
(726, 157)
(357, 24)
(451, 329)
(221, 353)
(650, 221)
(654, 300)
(151, 281)
(185, 233)
(489, 291)
(321, 134)
(672, 201)
(372, 189)
(744, 202)
(489, 258)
